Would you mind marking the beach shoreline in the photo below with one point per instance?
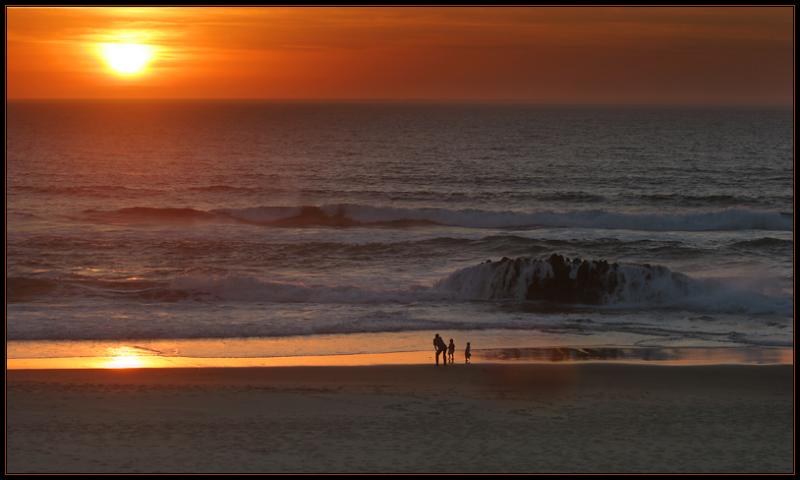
(369, 349)
(560, 418)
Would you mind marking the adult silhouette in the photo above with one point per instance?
(441, 348)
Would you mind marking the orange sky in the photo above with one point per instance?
(573, 55)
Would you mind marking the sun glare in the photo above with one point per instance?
(125, 362)
(127, 58)
(125, 357)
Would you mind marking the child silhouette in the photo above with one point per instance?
(451, 350)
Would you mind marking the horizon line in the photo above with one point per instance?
(466, 101)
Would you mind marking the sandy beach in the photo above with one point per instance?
(410, 418)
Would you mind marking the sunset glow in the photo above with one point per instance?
(577, 55)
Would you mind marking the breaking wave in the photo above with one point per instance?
(597, 282)
(766, 243)
(350, 215)
(554, 280)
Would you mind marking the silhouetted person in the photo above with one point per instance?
(443, 350)
(467, 354)
(440, 348)
(451, 351)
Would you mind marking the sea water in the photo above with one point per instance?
(258, 220)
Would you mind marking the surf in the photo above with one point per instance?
(356, 215)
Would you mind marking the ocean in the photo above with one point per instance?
(506, 224)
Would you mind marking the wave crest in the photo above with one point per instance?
(550, 280)
(349, 215)
(559, 279)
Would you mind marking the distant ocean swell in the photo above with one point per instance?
(328, 256)
(502, 243)
(554, 279)
(350, 215)
(565, 196)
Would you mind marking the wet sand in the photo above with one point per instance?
(571, 417)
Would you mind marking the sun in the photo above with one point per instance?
(127, 58)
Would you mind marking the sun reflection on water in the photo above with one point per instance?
(127, 357)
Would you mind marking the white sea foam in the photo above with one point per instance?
(621, 286)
